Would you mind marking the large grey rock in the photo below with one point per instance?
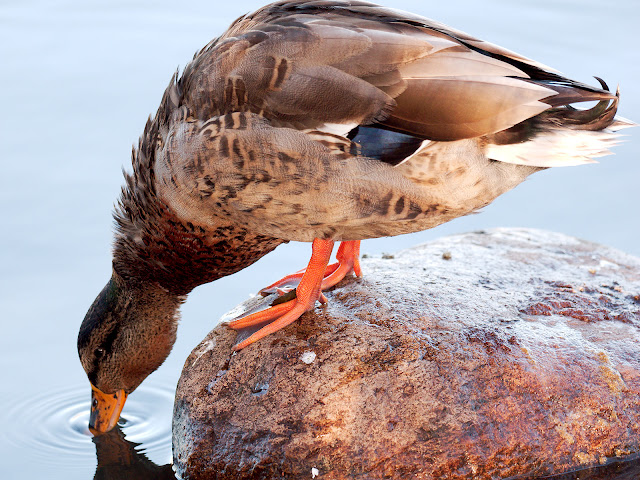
(484, 356)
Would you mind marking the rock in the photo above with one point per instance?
(484, 355)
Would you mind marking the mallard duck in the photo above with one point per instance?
(317, 121)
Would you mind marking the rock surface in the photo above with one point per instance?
(486, 355)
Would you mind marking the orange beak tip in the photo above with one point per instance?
(105, 410)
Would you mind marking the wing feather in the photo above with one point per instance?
(482, 105)
(343, 63)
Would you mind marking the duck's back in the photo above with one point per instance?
(347, 120)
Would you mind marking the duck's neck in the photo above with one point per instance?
(158, 249)
(154, 245)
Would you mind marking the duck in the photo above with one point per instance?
(317, 121)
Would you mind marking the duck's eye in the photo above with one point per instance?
(99, 352)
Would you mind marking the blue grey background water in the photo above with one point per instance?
(79, 79)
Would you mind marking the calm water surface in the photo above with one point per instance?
(79, 79)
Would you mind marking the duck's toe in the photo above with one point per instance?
(307, 293)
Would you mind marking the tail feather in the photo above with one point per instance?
(557, 148)
(564, 114)
(563, 136)
(620, 122)
(570, 92)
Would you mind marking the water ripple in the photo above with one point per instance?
(53, 425)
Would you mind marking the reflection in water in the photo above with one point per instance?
(119, 459)
(628, 469)
(52, 428)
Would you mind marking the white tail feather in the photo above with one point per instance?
(558, 148)
(620, 122)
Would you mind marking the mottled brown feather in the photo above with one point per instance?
(250, 142)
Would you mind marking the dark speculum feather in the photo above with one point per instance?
(519, 133)
(385, 145)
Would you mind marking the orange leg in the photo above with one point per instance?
(307, 293)
(348, 257)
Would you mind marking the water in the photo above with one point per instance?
(79, 79)
(52, 425)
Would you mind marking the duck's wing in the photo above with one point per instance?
(303, 107)
(330, 66)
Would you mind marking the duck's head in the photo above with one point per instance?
(127, 333)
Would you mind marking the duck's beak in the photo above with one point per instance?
(105, 410)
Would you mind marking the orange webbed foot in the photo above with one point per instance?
(307, 293)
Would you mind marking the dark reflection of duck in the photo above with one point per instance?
(317, 121)
(624, 469)
(118, 459)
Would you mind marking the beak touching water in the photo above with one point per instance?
(105, 410)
